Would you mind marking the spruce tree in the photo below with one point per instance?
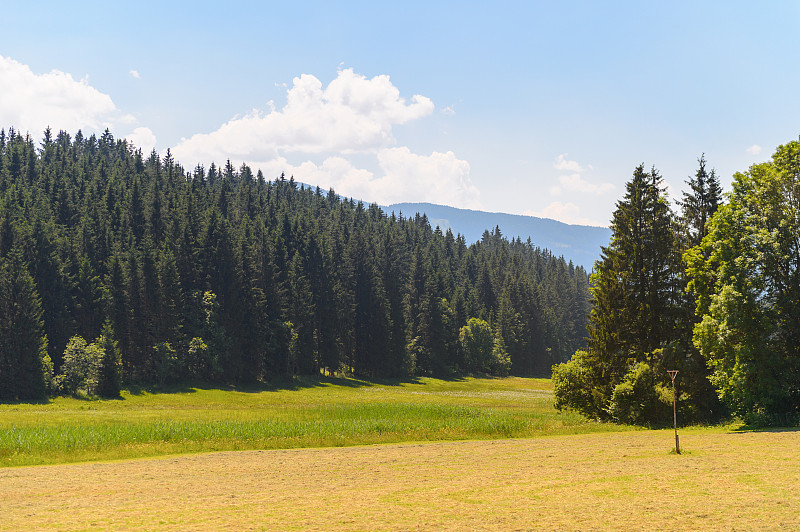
(699, 203)
(635, 289)
(25, 367)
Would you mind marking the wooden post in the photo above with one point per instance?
(672, 373)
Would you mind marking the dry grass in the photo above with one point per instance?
(623, 481)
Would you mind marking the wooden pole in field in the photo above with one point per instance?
(672, 373)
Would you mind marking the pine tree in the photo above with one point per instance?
(25, 367)
(636, 291)
(699, 203)
(109, 367)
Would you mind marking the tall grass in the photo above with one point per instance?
(320, 413)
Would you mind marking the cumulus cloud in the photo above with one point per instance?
(352, 118)
(144, 138)
(563, 164)
(755, 149)
(436, 178)
(32, 102)
(352, 114)
(564, 212)
(401, 175)
(576, 183)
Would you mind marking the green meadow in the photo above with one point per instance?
(323, 412)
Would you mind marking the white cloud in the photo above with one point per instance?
(564, 212)
(755, 149)
(565, 165)
(436, 178)
(575, 183)
(32, 102)
(439, 178)
(143, 138)
(352, 114)
(449, 110)
(350, 119)
(134, 73)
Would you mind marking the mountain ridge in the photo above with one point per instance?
(579, 243)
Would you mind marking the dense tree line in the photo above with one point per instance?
(115, 265)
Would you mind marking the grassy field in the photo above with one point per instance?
(521, 465)
(305, 413)
(600, 481)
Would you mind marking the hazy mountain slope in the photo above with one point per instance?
(578, 243)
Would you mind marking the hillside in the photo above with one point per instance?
(578, 243)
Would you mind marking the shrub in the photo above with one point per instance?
(501, 360)
(572, 385)
(640, 399)
(166, 362)
(109, 368)
(79, 369)
(91, 369)
(477, 343)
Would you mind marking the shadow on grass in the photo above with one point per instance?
(285, 383)
(746, 429)
(294, 383)
(44, 401)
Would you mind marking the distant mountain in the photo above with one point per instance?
(578, 243)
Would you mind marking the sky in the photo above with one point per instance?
(535, 108)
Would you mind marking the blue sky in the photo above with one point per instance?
(540, 108)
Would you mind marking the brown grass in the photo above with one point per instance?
(622, 481)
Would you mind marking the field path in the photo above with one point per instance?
(624, 481)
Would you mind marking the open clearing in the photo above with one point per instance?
(628, 480)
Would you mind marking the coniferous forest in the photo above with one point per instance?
(117, 267)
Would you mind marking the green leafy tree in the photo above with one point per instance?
(80, 370)
(746, 276)
(483, 351)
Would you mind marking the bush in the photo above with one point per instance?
(109, 370)
(79, 369)
(501, 360)
(640, 399)
(572, 387)
(166, 362)
(477, 343)
(91, 369)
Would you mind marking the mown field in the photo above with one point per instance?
(600, 481)
(519, 464)
(304, 413)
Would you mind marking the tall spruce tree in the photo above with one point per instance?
(700, 203)
(25, 367)
(636, 291)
